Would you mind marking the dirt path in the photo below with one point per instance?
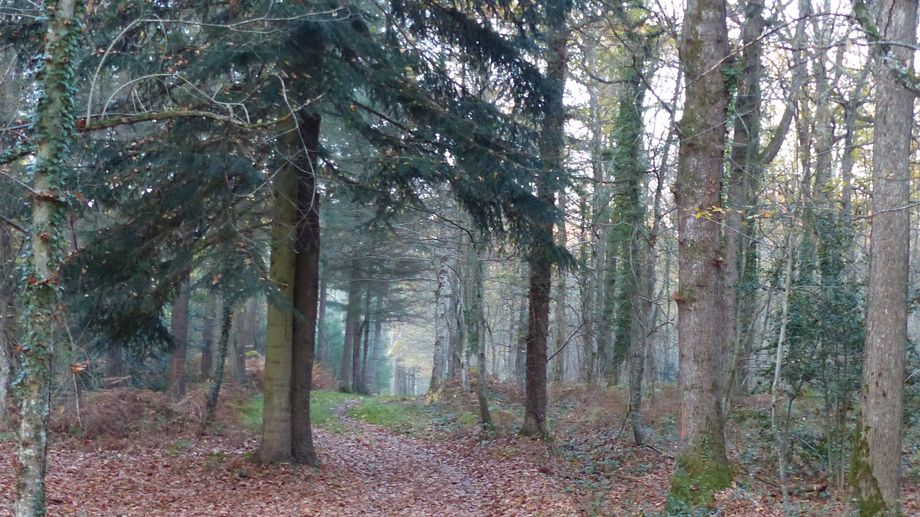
(367, 471)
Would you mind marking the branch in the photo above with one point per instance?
(13, 225)
(173, 114)
(11, 155)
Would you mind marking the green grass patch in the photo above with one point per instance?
(251, 413)
(392, 414)
(322, 410)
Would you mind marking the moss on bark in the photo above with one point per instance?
(701, 472)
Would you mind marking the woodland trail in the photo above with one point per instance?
(367, 471)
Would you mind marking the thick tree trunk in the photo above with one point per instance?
(306, 294)
(702, 467)
(540, 259)
(52, 132)
(217, 376)
(179, 329)
(877, 455)
(276, 415)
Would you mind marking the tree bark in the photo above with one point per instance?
(179, 331)
(217, 376)
(306, 293)
(561, 326)
(322, 344)
(441, 331)
(745, 172)
(207, 343)
(7, 317)
(877, 454)
(474, 317)
(373, 364)
(52, 133)
(276, 414)
(346, 370)
(540, 260)
(702, 467)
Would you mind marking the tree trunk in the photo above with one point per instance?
(454, 342)
(441, 330)
(644, 322)
(52, 133)
(877, 455)
(628, 232)
(207, 342)
(474, 317)
(276, 415)
(702, 467)
(361, 369)
(745, 159)
(373, 364)
(7, 317)
(351, 328)
(322, 344)
(179, 330)
(519, 343)
(597, 219)
(306, 294)
(540, 260)
(561, 327)
(114, 362)
(217, 376)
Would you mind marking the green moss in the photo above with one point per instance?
(178, 447)
(468, 419)
(869, 501)
(701, 472)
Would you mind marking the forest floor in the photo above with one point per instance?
(134, 453)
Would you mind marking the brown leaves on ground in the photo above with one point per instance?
(366, 471)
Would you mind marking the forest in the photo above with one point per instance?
(459, 258)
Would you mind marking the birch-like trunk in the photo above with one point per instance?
(52, 133)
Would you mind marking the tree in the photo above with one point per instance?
(876, 456)
(540, 258)
(179, 331)
(52, 133)
(7, 316)
(702, 467)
